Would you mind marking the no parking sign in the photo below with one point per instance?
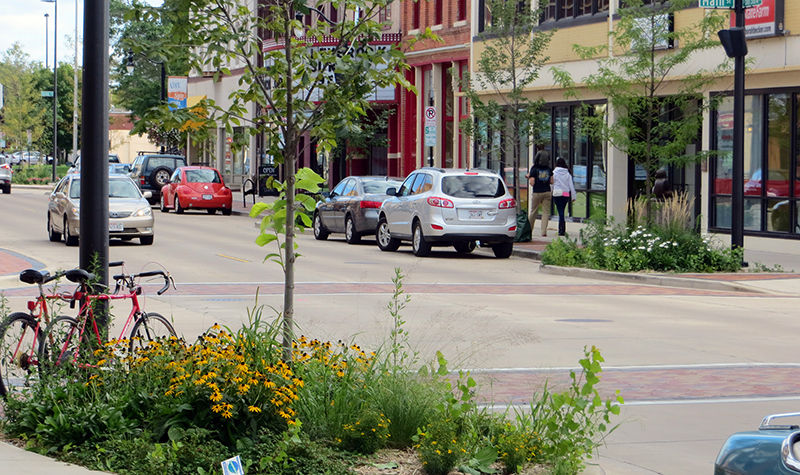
(430, 126)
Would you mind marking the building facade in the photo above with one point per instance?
(605, 178)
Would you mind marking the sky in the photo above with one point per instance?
(23, 21)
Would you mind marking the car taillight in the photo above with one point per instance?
(470, 173)
(512, 228)
(6, 166)
(437, 227)
(507, 204)
(440, 202)
(141, 180)
(370, 204)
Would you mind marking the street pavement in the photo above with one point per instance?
(654, 394)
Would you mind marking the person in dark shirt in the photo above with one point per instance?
(540, 178)
(662, 189)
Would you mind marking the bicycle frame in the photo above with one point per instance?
(86, 313)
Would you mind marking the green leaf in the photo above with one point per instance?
(305, 219)
(258, 208)
(264, 239)
(308, 202)
(385, 466)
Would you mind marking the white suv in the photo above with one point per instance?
(449, 207)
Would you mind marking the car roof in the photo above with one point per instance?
(197, 167)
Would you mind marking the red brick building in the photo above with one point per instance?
(436, 68)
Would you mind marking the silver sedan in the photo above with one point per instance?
(352, 207)
(130, 215)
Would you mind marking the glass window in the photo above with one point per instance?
(779, 216)
(580, 163)
(724, 159)
(350, 188)
(405, 190)
(75, 189)
(561, 128)
(473, 186)
(752, 214)
(203, 176)
(779, 145)
(722, 212)
(419, 185)
(339, 189)
(379, 187)
(176, 177)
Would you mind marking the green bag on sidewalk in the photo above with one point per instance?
(523, 228)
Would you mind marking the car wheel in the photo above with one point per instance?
(178, 208)
(385, 240)
(503, 250)
(163, 201)
(464, 247)
(159, 177)
(419, 245)
(146, 240)
(350, 234)
(320, 233)
(69, 239)
(226, 211)
(211, 211)
(51, 233)
(7, 189)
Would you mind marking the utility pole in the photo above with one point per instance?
(75, 91)
(737, 191)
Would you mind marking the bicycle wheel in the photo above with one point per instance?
(150, 327)
(59, 344)
(18, 357)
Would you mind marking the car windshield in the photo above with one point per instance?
(116, 189)
(473, 186)
(379, 187)
(202, 176)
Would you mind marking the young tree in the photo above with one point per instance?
(298, 88)
(658, 116)
(22, 111)
(510, 62)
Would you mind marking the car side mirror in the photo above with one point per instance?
(326, 194)
(71, 164)
(148, 194)
(391, 191)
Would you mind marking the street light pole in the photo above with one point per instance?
(55, 85)
(46, 41)
(75, 90)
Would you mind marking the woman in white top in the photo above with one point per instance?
(563, 190)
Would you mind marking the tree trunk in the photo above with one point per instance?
(289, 160)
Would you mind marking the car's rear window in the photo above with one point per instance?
(3, 160)
(473, 186)
(379, 187)
(202, 176)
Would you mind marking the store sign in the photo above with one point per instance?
(177, 92)
(727, 3)
(328, 72)
(761, 20)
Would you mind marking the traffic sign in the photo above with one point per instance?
(47, 93)
(430, 126)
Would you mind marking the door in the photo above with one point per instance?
(340, 203)
(400, 218)
(326, 209)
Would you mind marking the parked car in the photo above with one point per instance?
(113, 158)
(774, 449)
(130, 215)
(119, 168)
(152, 171)
(196, 187)
(352, 207)
(5, 174)
(449, 207)
(25, 157)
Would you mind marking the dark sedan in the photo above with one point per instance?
(352, 207)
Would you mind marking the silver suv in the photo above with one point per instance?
(449, 207)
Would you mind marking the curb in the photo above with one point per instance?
(653, 279)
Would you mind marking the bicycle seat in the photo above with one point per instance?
(78, 275)
(33, 276)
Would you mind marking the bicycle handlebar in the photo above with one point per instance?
(128, 279)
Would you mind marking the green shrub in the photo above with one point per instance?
(517, 445)
(366, 435)
(438, 447)
(657, 248)
(37, 174)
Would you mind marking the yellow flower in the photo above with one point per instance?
(216, 397)
(227, 415)
(253, 409)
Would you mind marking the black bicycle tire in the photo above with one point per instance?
(16, 316)
(143, 319)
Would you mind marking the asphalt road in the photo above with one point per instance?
(693, 365)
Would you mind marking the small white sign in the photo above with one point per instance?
(232, 466)
(430, 116)
(430, 136)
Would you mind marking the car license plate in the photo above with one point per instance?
(475, 214)
(116, 227)
(208, 197)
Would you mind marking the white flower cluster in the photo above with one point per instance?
(641, 240)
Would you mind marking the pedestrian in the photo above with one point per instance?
(563, 190)
(662, 189)
(540, 178)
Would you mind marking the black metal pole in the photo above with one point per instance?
(163, 83)
(55, 89)
(94, 144)
(737, 189)
(46, 41)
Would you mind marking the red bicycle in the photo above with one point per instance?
(67, 334)
(22, 334)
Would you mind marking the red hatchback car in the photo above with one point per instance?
(196, 188)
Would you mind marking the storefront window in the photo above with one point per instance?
(770, 171)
